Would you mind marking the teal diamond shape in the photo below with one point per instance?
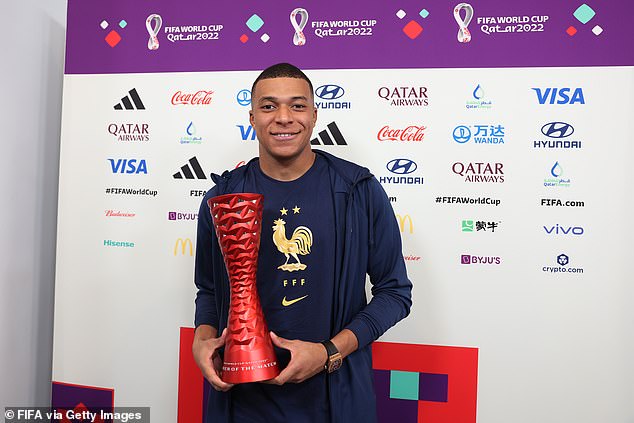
(404, 385)
(123, 23)
(255, 22)
(584, 13)
(424, 13)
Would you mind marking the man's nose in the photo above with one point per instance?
(284, 114)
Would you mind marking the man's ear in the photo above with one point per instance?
(251, 118)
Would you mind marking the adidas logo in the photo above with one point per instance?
(191, 170)
(126, 102)
(326, 138)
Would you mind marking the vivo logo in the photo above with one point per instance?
(560, 230)
(557, 130)
(128, 166)
(559, 95)
(329, 92)
(402, 166)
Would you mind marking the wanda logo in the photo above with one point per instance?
(199, 98)
(410, 133)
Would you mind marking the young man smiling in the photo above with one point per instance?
(312, 292)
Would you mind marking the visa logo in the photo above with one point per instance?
(559, 96)
(246, 132)
(128, 166)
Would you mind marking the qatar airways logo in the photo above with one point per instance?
(405, 96)
(198, 98)
(409, 133)
(479, 172)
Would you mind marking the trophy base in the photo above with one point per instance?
(245, 373)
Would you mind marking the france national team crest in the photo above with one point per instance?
(299, 243)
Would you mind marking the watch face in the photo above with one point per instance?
(334, 364)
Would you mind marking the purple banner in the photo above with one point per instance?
(146, 36)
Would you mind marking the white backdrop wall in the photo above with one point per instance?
(31, 79)
(552, 347)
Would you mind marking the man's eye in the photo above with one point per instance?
(267, 107)
(299, 106)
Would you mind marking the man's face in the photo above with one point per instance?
(283, 116)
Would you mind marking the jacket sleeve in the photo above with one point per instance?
(391, 288)
(206, 309)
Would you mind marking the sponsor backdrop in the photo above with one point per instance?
(501, 131)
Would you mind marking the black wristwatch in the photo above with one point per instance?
(334, 357)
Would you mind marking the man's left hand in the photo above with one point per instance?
(307, 359)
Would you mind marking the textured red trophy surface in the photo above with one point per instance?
(249, 354)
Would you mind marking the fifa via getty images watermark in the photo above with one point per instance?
(76, 415)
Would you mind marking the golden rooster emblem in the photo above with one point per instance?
(300, 243)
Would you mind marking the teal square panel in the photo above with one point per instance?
(584, 13)
(255, 22)
(404, 385)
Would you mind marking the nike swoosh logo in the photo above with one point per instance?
(287, 303)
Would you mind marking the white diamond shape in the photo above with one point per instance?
(104, 24)
(265, 37)
(401, 14)
(597, 30)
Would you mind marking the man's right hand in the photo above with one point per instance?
(205, 351)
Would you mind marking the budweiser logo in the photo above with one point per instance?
(198, 98)
(411, 133)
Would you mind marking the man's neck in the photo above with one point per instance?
(287, 171)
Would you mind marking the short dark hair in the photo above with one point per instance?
(282, 70)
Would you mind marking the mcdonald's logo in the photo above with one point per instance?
(183, 243)
(402, 220)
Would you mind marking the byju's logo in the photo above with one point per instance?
(130, 102)
(244, 97)
(191, 137)
(130, 131)
(401, 167)
(562, 260)
(479, 172)
(405, 96)
(557, 178)
(326, 136)
(246, 132)
(559, 95)
(482, 134)
(471, 259)
(556, 131)
(128, 166)
(181, 216)
(329, 93)
(190, 170)
(563, 230)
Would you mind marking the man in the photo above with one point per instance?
(316, 294)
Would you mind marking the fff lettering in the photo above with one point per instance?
(559, 95)
(128, 166)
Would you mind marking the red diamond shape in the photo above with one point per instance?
(571, 30)
(244, 38)
(113, 38)
(412, 29)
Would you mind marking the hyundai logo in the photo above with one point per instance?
(557, 130)
(401, 166)
(462, 134)
(329, 92)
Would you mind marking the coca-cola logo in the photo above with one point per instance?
(410, 133)
(199, 98)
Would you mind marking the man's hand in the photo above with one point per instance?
(205, 351)
(307, 359)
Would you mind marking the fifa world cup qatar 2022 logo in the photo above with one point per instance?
(249, 354)
(464, 35)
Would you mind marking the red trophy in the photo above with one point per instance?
(249, 354)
